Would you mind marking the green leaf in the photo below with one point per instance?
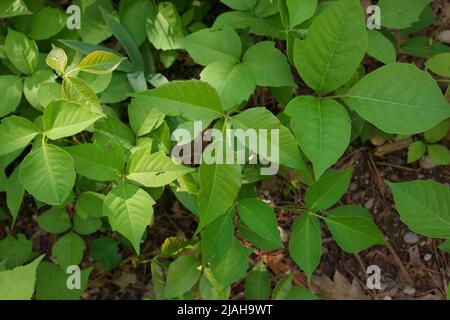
(143, 119)
(401, 14)
(423, 47)
(11, 88)
(154, 170)
(305, 245)
(93, 27)
(100, 62)
(85, 226)
(219, 186)
(106, 252)
(57, 60)
(129, 210)
(68, 250)
(234, 82)
(232, 267)
(16, 133)
(268, 65)
(133, 16)
(15, 252)
(339, 34)
(283, 288)
(64, 119)
(439, 154)
(183, 274)
(46, 23)
(380, 47)
(90, 204)
(18, 284)
(13, 8)
(416, 151)
(411, 104)
(212, 45)
(97, 162)
(210, 291)
(192, 100)
(78, 91)
(51, 283)
(41, 88)
(217, 238)
(14, 194)
(257, 283)
(353, 228)
(440, 64)
(164, 30)
(322, 128)
(261, 219)
(48, 174)
(21, 51)
(55, 220)
(328, 190)
(438, 132)
(112, 130)
(300, 11)
(445, 246)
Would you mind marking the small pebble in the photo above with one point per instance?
(422, 243)
(369, 203)
(427, 257)
(410, 237)
(283, 234)
(353, 187)
(426, 163)
(409, 291)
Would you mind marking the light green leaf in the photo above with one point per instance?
(41, 88)
(112, 130)
(353, 228)
(90, 204)
(305, 245)
(300, 11)
(257, 283)
(183, 274)
(416, 151)
(64, 119)
(48, 174)
(11, 88)
(57, 60)
(212, 45)
(100, 62)
(14, 194)
(217, 238)
(143, 118)
(261, 219)
(164, 30)
(401, 14)
(234, 82)
(97, 162)
(69, 250)
(322, 128)
(15, 252)
(440, 64)
(55, 220)
(268, 65)
(411, 104)
(219, 186)
(47, 22)
(18, 284)
(129, 210)
(339, 34)
(210, 291)
(232, 267)
(380, 47)
(424, 207)
(328, 190)
(16, 133)
(192, 100)
(21, 51)
(438, 132)
(78, 91)
(13, 8)
(439, 154)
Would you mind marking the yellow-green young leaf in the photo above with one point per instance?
(18, 283)
(129, 210)
(100, 62)
(440, 64)
(424, 206)
(411, 104)
(78, 91)
(305, 245)
(11, 89)
(219, 186)
(322, 128)
(13, 8)
(21, 51)
(57, 60)
(183, 274)
(416, 151)
(164, 29)
(16, 133)
(339, 34)
(48, 174)
(439, 154)
(154, 170)
(353, 228)
(64, 119)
